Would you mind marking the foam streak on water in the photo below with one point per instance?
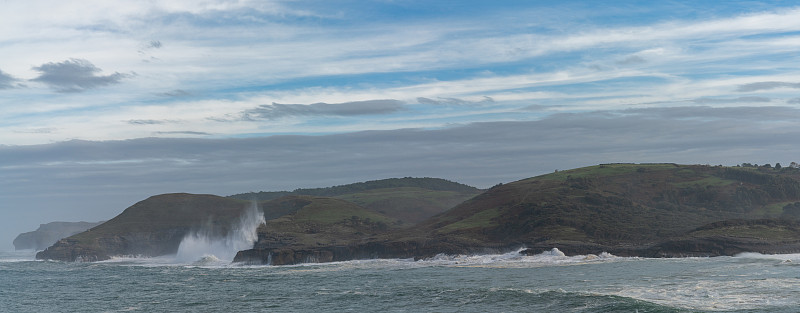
(202, 248)
(510, 282)
(515, 259)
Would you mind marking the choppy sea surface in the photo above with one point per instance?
(549, 282)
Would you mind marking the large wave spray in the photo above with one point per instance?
(201, 246)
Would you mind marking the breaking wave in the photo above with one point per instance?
(203, 248)
(512, 259)
(517, 259)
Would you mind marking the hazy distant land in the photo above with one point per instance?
(48, 234)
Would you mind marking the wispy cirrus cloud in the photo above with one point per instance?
(368, 107)
(453, 101)
(183, 132)
(175, 93)
(75, 75)
(43, 130)
(151, 122)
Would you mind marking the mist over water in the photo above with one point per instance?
(203, 247)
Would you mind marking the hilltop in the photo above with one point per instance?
(409, 200)
(436, 184)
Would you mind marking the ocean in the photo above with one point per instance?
(549, 282)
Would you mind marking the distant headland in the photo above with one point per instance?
(48, 234)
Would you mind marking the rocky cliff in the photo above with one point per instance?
(417, 248)
(152, 227)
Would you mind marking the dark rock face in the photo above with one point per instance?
(48, 234)
(68, 250)
(721, 246)
(724, 238)
(426, 248)
(417, 249)
(105, 247)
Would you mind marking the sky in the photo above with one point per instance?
(103, 104)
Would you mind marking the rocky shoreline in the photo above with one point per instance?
(698, 247)
(423, 249)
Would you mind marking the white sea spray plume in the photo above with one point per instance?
(203, 247)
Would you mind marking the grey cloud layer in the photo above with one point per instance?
(175, 93)
(766, 86)
(6, 81)
(480, 153)
(731, 100)
(707, 113)
(74, 75)
(66, 177)
(278, 110)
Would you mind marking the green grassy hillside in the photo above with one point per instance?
(616, 204)
(317, 221)
(409, 200)
(424, 183)
(410, 205)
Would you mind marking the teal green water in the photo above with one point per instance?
(498, 283)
